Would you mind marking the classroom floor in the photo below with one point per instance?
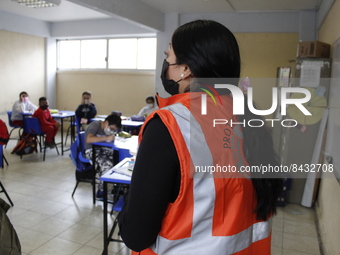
(49, 221)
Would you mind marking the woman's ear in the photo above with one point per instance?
(185, 72)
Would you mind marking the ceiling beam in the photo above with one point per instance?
(133, 11)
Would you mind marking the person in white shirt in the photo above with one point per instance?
(149, 108)
(21, 106)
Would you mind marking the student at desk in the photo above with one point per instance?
(101, 131)
(149, 108)
(20, 106)
(86, 110)
(48, 125)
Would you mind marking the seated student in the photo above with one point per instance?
(100, 131)
(149, 108)
(48, 125)
(20, 106)
(86, 110)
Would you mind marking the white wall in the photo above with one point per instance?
(22, 68)
(328, 202)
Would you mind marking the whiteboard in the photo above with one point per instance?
(332, 149)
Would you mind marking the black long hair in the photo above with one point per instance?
(211, 51)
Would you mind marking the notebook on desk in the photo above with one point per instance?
(125, 166)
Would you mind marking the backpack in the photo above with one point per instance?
(4, 135)
(26, 145)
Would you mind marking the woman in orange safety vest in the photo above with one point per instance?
(190, 191)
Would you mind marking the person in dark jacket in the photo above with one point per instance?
(86, 110)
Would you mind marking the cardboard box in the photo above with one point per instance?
(313, 49)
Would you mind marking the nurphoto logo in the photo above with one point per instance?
(239, 102)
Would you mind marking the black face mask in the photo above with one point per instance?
(44, 107)
(170, 86)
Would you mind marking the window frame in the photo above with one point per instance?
(106, 69)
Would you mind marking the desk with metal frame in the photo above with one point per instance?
(111, 177)
(125, 147)
(61, 115)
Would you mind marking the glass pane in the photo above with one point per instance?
(123, 53)
(93, 53)
(69, 54)
(147, 48)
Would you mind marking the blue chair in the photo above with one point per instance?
(10, 123)
(76, 124)
(2, 157)
(32, 126)
(84, 169)
(117, 207)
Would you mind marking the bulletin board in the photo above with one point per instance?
(332, 149)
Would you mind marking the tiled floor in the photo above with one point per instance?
(49, 221)
(294, 231)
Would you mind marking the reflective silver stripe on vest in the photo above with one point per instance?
(201, 240)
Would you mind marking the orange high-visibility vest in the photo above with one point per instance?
(214, 211)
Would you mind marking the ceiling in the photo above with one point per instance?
(214, 6)
(68, 11)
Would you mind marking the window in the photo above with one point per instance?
(122, 53)
(93, 54)
(146, 58)
(69, 54)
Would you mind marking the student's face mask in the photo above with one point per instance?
(149, 105)
(44, 107)
(25, 99)
(109, 131)
(170, 86)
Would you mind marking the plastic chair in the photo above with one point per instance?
(2, 157)
(84, 169)
(10, 123)
(32, 126)
(117, 207)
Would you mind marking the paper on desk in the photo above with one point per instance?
(126, 168)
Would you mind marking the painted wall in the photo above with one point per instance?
(122, 91)
(328, 203)
(22, 68)
(261, 55)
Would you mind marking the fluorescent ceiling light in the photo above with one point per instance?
(38, 3)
